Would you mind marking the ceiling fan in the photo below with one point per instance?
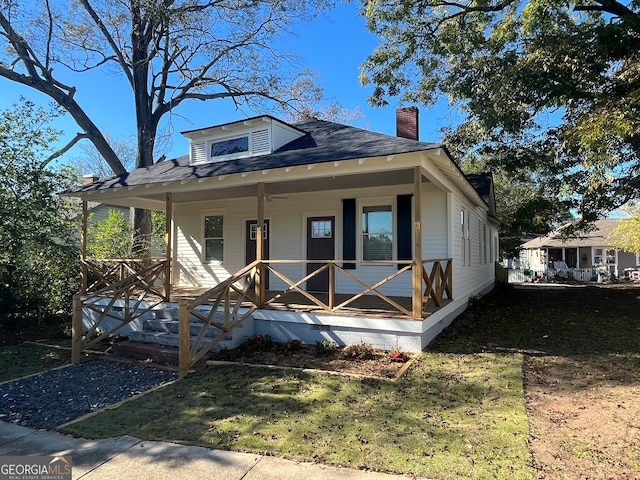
(270, 198)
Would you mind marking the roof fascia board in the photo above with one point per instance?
(238, 126)
(279, 174)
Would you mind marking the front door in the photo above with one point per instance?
(320, 246)
(250, 249)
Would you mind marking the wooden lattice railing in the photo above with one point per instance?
(123, 300)
(438, 282)
(224, 312)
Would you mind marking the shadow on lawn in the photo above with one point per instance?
(577, 320)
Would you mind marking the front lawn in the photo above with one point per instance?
(451, 416)
(28, 358)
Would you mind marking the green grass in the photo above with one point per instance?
(27, 358)
(452, 416)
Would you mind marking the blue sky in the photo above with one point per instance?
(334, 45)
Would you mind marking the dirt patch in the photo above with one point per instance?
(581, 372)
(584, 424)
(379, 366)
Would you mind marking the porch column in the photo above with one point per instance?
(417, 252)
(83, 250)
(168, 242)
(260, 284)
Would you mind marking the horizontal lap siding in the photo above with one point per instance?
(469, 280)
(287, 219)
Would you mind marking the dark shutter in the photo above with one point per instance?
(349, 232)
(404, 228)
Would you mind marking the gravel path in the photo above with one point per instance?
(58, 396)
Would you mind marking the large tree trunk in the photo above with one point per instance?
(145, 120)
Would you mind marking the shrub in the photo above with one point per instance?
(397, 355)
(359, 351)
(326, 347)
(258, 343)
(294, 345)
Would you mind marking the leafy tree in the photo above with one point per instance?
(168, 51)
(523, 205)
(38, 259)
(546, 87)
(112, 237)
(628, 232)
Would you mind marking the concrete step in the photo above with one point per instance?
(172, 326)
(164, 338)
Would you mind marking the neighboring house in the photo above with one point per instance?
(345, 212)
(583, 257)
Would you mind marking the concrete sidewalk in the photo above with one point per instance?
(128, 457)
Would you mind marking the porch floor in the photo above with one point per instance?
(365, 306)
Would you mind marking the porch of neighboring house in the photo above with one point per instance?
(123, 295)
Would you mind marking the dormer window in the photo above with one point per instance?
(230, 147)
(246, 138)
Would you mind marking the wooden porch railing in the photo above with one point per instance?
(233, 301)
(438, 282)
(225, 301)
(102, 272)
(144, 288)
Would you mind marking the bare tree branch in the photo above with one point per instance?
(65, 149)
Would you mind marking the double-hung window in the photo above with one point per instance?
(377, 232)
(213, 238)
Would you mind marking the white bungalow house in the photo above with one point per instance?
(365, 236)
(581, 258)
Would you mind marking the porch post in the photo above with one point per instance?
(76, 329)
(417, 252)
(260, 280)
(84, 273)
(168, 242)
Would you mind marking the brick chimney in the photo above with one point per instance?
(407, 122)
(87, 179)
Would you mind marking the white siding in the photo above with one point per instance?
(287, 238)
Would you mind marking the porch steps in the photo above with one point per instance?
(159, 339)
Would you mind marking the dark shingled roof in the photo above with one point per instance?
(322, 142)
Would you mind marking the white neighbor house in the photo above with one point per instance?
(583, 258)
(387, 219)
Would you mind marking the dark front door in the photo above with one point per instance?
(320, 246)
(250, 252)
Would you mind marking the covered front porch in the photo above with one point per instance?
(117, 293)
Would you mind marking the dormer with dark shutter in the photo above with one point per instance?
(246, 138)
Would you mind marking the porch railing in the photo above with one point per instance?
(121, 298)
(224, 312)
(437, 282)
(231, 302)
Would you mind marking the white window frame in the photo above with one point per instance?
(229, 156)
(205, 238)
(377, 202)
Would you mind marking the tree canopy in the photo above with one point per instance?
(628, 231)
(550, 90)
(38, 259)
(167, 51)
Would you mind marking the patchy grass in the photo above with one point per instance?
(452, 416)
(581, 364)
(27, 358)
